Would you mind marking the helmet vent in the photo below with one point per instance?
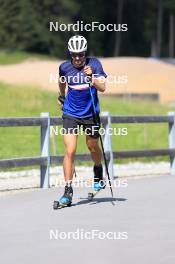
(81, 45)
(72, 44)
(76, 44)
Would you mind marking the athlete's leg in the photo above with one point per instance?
(70, 141)
(93, 146)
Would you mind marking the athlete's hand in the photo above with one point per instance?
(87, 70)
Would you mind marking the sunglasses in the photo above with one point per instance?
(80, 55)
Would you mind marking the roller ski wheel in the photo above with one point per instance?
(91, 195)
(57, 205)
(96, 190)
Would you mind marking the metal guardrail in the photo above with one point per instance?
(45, 159)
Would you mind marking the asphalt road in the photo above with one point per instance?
(142, 219)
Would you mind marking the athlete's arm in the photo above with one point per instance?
(99, 83)
(61, 81)
(61, 87)
(61, 93)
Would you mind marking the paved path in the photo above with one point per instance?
(144, 211)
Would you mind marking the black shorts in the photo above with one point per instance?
(73, 125)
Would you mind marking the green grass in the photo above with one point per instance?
(19, 56)
(140, 136)
(19, 101)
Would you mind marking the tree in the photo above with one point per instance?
(118, 34)
(170, 6)
(24, 25)
(159, 27)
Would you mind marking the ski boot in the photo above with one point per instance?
(99, 183)
(65, 200)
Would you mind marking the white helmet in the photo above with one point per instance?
(77, 44)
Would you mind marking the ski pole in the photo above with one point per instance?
(101, 141)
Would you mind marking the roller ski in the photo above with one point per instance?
(98, 184)
(65, 200)
(96, 189)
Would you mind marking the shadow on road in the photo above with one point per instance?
(100, 200)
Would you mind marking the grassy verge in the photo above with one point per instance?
(19, 101)
(19, 56)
